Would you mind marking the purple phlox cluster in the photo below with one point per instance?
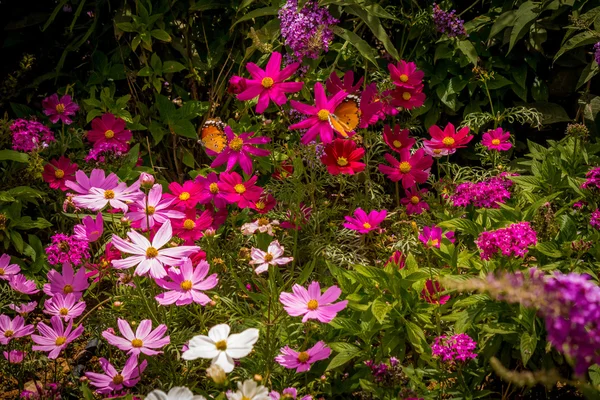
(29, 136)
(595, 219)
(448, 22)
(486, 194)
(66, 248)
(454, 348)
(307, 32)
(386, 373)
(51, 392)
(513, 240)
(597, 53)
(101, 151)
(592, 179)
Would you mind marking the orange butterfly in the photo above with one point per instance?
(212, 135)
(346, 116)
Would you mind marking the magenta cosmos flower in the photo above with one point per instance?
(97, 179)
(23, 309)
(311, 303)
(414, 201)
(334, 84)
(363, 222)
(59, 109)
(184, 196)
(6, 268)
(238, 151)
(397, 259)
(109, 130)
(397, 139)
(192, 227)
(209, 190)
(273, 257)
(64, 306)
(58, 172)
(303, 360)
(56, 338)
(317, 122)
(21, 284)
(145, 213)
(14, 356)
(90, 229)
(432, 236)
(410, 169)
(407, 97)
(268, 84)
(448, 139)
(118, 197)
(497, 139)
(235, 190)
(67, 282)
(405, 74)
(432, 293)
(342, 156)
(12, 329)
(150, 257)
(112, 380)
(187, 284)
(143, 341)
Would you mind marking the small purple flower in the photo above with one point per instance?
(454, 348)
(487, 194)
(593, 179)
(448, 22)
(65, 248)
(597, 53)
(595, 219)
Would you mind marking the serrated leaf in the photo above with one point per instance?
(380, 309)
(527, 346)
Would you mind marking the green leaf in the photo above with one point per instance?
(467, 48)
(342, 358)
(503, 21)
(172, 66)
(527, 346)
(374, 23)
(588, 73)
(156, 63)
(203, 5)
(12, 155)
(17, 240)
(261, 12)
(306, 271)
(341, 347)
(146, 71)
(498, 82)
(184, 128)
(165, 107)
(552, 112)
(160, 35)
(416, 336)
(363, 47)
(550, 249)
(581, 39)
(525, 17)
(380, 309)
(463, 225)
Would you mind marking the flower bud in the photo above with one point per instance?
(258, 378)
(237, 85)
(146, 181)
(117, 304)
(217, 374)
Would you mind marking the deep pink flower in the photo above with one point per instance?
(406, 75)
(68, 282)
(297, 220)
(109, 130)
(185, 196)
(273, 257)
(370, 106)
(235, 190)
(318, 123)
(64, 306)
(237, 85)
(209, 190)
(302, 361)
(363, 222)
(432, 236)
(23, 309)
(311, 303)
(431, 293)
(187, 285)
(90, 230)
(238, 151)
(191, 227)
(58, 172)
(14, 356)
(265, 204)
(414, 201)
(397, 139)
(143, 341)
(145, 213)
(100, 269)
(408, 98)
(342, 156)
(21, 284)
(12, 329)
(437, 153)
(448, 139)
(59, 109)
(268, 84)
(55, 339)
(397, 259)
(6, 268)
(334, 84)
(97, 179)
(410, 169)
(112, 380)
(497, 139)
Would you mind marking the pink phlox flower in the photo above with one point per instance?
(24, 308)
(210, 191)
(235, 190)
(91, 230)
(66, 248)
(64, 306)
(6, 268)
(67, 282)
(311, 303)
(455, 348)
(273, 257)
(334, 84)
(363, 222)
(56, 338)
(59, 109)
(414, 201)
(187, 284)
(12, 329)
(184, 196)
(145, 213)
(143, 341)
(112, 380)
(97, 179)
(118, 197)
(303, 360)
(21, 284)
(238, 151)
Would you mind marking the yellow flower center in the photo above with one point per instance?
(268, 257)
(186, 285)
(245, 398)
(415, 199)
(236, 144)
(495, 142)
(263, 221)
(404, 78)
(184, 196)
(213, 188)
(64, 311)
(59, 173)
(239, 188)
(303, 357)
(118, 379)
(8, 333)
(367, 225)
(189, 224)
(60, 108)
(68, 289)
(406, 96)
(2, 271)
(221, 345)
(312, 304)
(150, 210)
(342, 161)
(448, 141)
(323, 115)
(437, 151)
(151, 252)
(137, 343)
(109, 194)
(260, 205)
(109, 134)
(267, 82)
(405, 167)
(397, 144)
(433, 242)
(60, 340)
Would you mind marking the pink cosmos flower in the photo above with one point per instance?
(414, 201)
(268, 84)
(262, 225)
(58, 172)
(297, 221)
(6, 268)
(112, 380)
(288, 393)
(405, 74)
(209, 190)
(153, 210)
(90, 230)
(64, 306)
(150, 257)
(363, 222)
(318, 121)
(143, 341)
(410, 169)
(238, 151)
(97, 179)
(21, 284)
(311, 303)
(432, 236)
(448, 139)
(370, 106)
(59, 109)
(343, 156)
(192, 227)
(334, 84)
(12, 329)
(55, 339)
(237, 85)
(184, 196)
(118, 197)
(496, 139)
(397, 259)
(68, 282)
(235, 190)
(431, 293)
(14, 356)
(398, 139)
(271, 257)
(109, 130)
(187, 284)
(302, 361)
(23, 309)
(407, 97)
(437, 153)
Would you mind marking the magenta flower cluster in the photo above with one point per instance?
(486, 194)
(30, 136)
(65, 248)
(513, 240)
(382, 371)
(597, 53)
(448, 22)
(454, 348)
(592, 179)
(595, 219)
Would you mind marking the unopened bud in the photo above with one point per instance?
(212, 303)
(146, 181)
(217, 374)
(258, 378)
(117, 304)
(83, 379)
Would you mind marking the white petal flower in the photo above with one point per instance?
(271, 257)
(222, 347)
(176, 393)
(249, 390)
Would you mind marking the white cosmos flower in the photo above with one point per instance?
(249, 390)
(271, 257)
(176, 393)
(222, 347)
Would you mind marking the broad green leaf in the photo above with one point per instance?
(184, 128)
(416, 336)
(374, 23)
(588, 73)
(12, 155)
(498, 82)
(160, 35)
(203, 5)
(172, 66)
(525, 17)
(261, 12)
(380, 309)
(527, 346)
(463, 225)
(467, 48)
(165, 107)
(343, 347)
(581, 39)
(363, 47)
(552, 112)
(550, 249)
(126, 26)
(342, 358)
(146, 71)
(503, 21)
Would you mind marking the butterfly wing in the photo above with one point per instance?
(346, 116)
(213, 137)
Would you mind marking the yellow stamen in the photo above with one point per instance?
(213, 188)
(151, 252)
(60, 340)
(109, 194)
(263, 221)
(342, 161)
(2, 272)
(186, 285)
(323, 115)
(448, 141)
(415, 199)
(404, 78)
(303, 357)
(8, 333)
(63, 311)
(68, 289)
(59, 173)
(312, 304)
(221, 345)
(118, 379)
(137, 343)
(236, 144)
(405, 167)
(367, 225)
(60, 108)
(189, 224)
(397, 144)
(150, 210)
(406, 96)
(267, 82)
(495, 142)
(260, 205)
(239, 188)
(184, 196)
(109, 134)
(268, 257)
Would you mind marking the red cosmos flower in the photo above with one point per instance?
(268, 84)
(264, 204)
(432, 293)
(191, 227)
(285, 170)
(102, 268)
(448, 139)
(410, 169)
(397, 259)
(237, 85)
(343, 157)
(334, 84)
(496, 139)
(406, 75)
(398, 139)
(235, 190)
(414, 201)
(184, 196)
(110, 130)
(57, 172)
(238, 151)
(408, 98)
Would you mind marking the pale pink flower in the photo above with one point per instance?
(143, 341)
(55, 339)
(67, 282)
(22, 285)
(112, 380)
(187, 284)
(6, 268)
(262, 225)
(23, 309)
(118, 197)
(311, 303)
(14, 356)
(271, 257)
(90, 230)
(64, 306)
(12, 329)
(97, 179)
(152, 210)
(302, 360)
